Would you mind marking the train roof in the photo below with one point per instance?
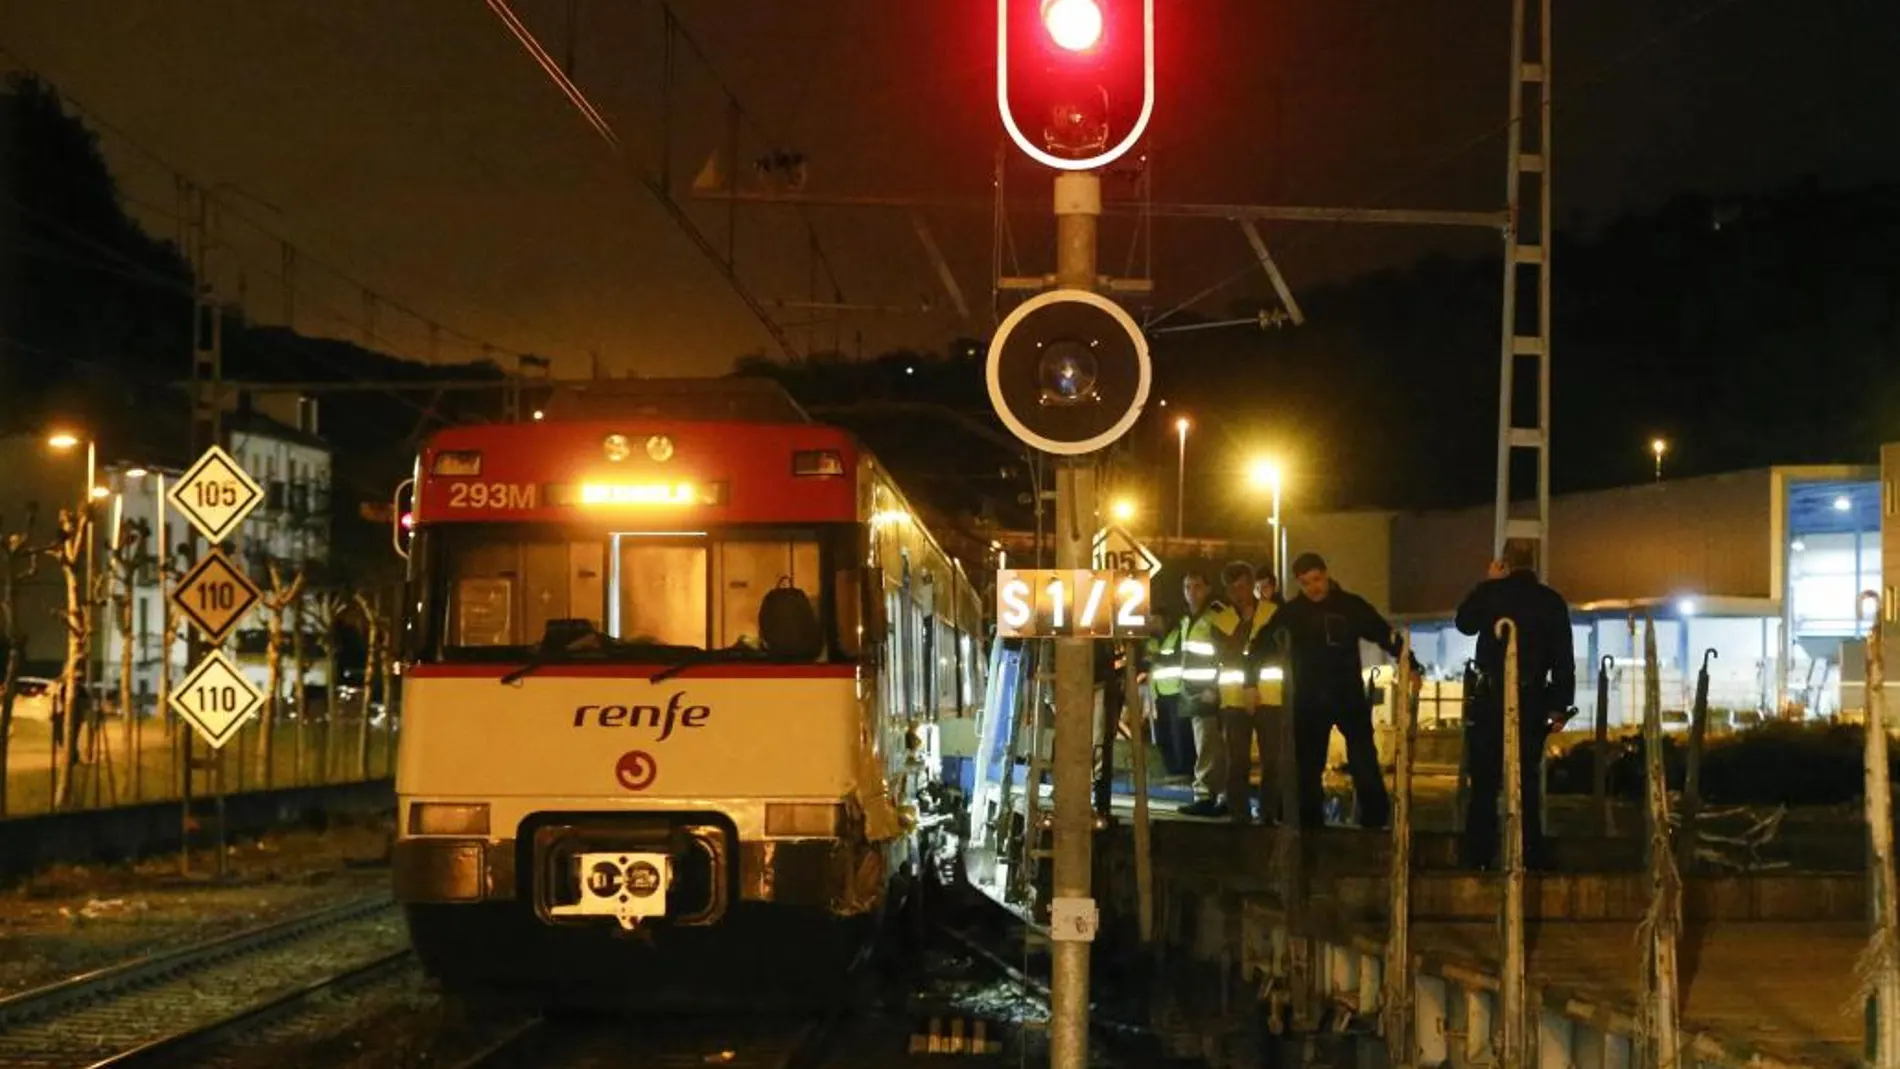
(737, 400)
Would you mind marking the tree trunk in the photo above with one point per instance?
(274, 669)
(300, 670)
(372, 636)
(6, 700)
(126, 710)
(72, 700)
(390, 705)
(333, 709)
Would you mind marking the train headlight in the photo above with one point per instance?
(448, 818)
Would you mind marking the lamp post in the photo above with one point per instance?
(1180, 480)
(1265, 474)
(1658, 447)
(61, 442)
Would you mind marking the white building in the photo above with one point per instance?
(292, 524)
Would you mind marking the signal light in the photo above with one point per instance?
(1075, 79)
(1068, 372)
(1073, 24)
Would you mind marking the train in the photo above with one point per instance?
(673, 673)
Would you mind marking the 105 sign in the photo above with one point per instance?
(1052, 603)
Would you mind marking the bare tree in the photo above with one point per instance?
(372, 658)
(278, 600)
(329, 611)
(125, 561)
(20, 561)
(70, 552)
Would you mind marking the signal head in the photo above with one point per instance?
(1068, 372)
(1075, 78)
(1075, 25)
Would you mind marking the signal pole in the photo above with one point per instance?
(1072, 911)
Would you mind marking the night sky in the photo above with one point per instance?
(418, 149)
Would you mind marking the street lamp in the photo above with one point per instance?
(1265, 474)
(61, 441)
(1123, 510)
(1658, 447)
(1180, 480)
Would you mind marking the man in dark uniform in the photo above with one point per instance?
(1547, 687)
(1326, 624)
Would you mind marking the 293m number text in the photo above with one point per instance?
(499, 496)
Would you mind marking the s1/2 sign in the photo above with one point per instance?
(1064, 603)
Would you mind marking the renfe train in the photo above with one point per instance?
(669, 695)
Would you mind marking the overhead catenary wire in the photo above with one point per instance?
(1414, 176)
(657, 188)
(226, 208)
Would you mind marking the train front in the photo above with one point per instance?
(637, 748)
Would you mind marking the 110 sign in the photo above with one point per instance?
(1047, 603)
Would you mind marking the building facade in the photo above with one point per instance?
(1764, 568)
(288, 460)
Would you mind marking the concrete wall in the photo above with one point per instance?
(1712, 537)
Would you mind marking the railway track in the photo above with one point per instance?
(671, 1043)
(155, 1009)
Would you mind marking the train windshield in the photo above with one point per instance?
(504, 592)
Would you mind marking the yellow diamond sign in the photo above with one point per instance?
(216, 699)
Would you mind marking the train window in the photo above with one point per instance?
(744, 572)
(661, 594)
(845, 595)
(502, 592)
(482, 612)
(946, 668)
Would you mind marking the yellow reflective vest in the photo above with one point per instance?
(1164, 673)
(1233, 647)
(1190, 662)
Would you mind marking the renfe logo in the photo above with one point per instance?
(660, 718)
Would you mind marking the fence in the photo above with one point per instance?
(118, 766)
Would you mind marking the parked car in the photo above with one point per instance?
(33, 699)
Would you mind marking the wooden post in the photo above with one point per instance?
(1290, 851)
(1400, 985)
(1880, 964)
(1692, 769)
(1600, 786)
(1513, 1042)
(1663, 924)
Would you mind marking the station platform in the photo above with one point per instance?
(1767, 959)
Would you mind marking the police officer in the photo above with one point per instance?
(1547, 686)
(1200, 695)
(1326, 624)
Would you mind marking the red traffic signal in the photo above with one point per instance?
(1073, 24)
(1075, 78)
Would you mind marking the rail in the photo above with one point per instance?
(201, 992)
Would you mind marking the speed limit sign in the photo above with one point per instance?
(216, 495)
(216, 699)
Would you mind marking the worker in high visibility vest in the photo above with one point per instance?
(1246, 714)
(1173, 735)
(1199, 702)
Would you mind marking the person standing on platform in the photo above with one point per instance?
(1546, 690)
(1326, 624)
(1162, 665)
(1242, 718)
(1200, 695)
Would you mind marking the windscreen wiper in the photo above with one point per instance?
(700, 657)
(560, 636)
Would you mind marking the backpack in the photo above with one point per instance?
(788, 625)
